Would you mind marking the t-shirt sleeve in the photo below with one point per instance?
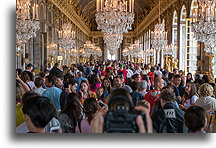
(194, 98)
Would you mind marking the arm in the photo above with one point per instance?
(26, 88)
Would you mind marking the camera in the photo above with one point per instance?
(121, 116)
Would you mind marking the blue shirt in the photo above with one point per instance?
(53, 93)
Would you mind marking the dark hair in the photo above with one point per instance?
(29, 65)
(19, 71)
(134, 85)
(167, 95)
(39, 82)
(73, 108)
(41, 74)
(93, 80)
(72, 81)
(136, 76)
(176, 76)
(90, 106)
(25, 77)
(51, 78)
(29, 94)
(170, 76)
(56, 64)
(152, 69)
(40, 110)
(206, 78)
(190, 76)
(200, 81)
(145, 77)
(195, 118)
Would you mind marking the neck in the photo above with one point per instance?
(37, 130)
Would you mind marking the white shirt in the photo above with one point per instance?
(159, 73)
(193, 100)
(129, 73)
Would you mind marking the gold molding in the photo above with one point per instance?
(69, 11)
(153, 15)
(97, 34)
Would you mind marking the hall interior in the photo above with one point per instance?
(175, 33)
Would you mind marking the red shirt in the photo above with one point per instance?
(152, 97)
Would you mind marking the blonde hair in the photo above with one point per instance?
(144, 103)
(206, 90)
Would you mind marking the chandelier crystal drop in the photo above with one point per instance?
(203, 24)
(27, 23)
(113, 41)
(67, 37)
(137, 49)
(115, 16)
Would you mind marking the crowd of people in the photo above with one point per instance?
(75, 99)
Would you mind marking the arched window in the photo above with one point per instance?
(192, 44)
(182, 48)
(174, 32)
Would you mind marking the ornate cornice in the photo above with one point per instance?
(97, 34)
(153, 15)
(69, 11)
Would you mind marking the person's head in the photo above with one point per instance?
(106, 83)
(84, 86)
(56, 65)
(143, 85)
(72, 85)
(195, 118)
(181, 72)
(118, 81)
(175, 71)
(189, 76)
(197, 76)
(38, 111)
(59, 80)
(79, 74)
(206, 90)
(152, 69)
(137, 77)
(90, 106)
(206, 78)
(19, 71)
(134, 85)
(182, 82)
(39, 82)
(190, 89)
(50, 81)
(25, 77)
(100, 91)
(176, 80)
(120, 98)
(29, 67)
(158, 83)
(166, 96)
(144, 103)
(170, 76)
(93, 80)
(145, 77)
(41, 75)
(73, 108)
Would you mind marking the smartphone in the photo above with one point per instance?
(101, 104)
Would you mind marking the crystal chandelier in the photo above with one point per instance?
(113, 41)
(150, 52)
(115, 16)
(159, 36)
(125, 52)
(203, 24)
(137, 49)
(27, 25)
(90, 49)
(67, 37)
(52, 49)
(170, 49)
